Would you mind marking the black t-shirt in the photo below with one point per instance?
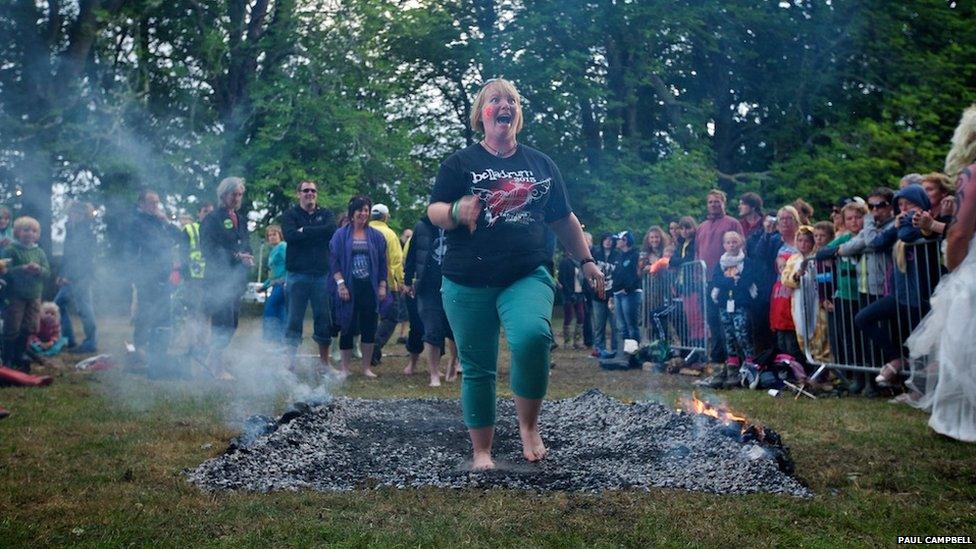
(519, 196)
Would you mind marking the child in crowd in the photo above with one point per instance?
(734, 290)
(275, 306)
(823, 233)
(798, 274)
(26, 271)
(47, 340)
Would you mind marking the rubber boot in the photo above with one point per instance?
(577, 337)
(566, 337)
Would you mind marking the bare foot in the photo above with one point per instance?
(408, 371)
(532, 446)
(368, 372)
(482, 462)
(435, 380)
(451, 373)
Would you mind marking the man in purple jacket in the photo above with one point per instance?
(708, 248)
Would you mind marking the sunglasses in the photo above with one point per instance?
(878, 205)
(309, 191)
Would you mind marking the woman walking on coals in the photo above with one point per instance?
(495, 199)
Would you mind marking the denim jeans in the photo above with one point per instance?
(627, 310)
(80, 296)
(302, 290)
(601, 317)
(275, 314)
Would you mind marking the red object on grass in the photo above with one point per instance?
(10, 376)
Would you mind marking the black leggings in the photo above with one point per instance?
(364, 314)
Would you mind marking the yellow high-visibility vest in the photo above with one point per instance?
(197, 266)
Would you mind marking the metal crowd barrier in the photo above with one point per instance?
(836, 290)
(673, 308)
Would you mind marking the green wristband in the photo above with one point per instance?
(455, 211)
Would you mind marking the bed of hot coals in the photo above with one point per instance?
(595, 443)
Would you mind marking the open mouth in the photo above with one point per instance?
(504, 119)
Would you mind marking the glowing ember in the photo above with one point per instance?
(695, 405)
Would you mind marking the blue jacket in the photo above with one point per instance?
(340, 260)
(922, 268)
(739, 290)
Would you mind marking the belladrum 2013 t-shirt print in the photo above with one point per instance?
(520, 195)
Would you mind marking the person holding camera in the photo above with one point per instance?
(916, 271)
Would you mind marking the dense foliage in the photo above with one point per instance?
(643, 104)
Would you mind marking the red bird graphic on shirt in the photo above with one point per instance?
(509, 198)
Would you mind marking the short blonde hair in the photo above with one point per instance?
(791, 211)
(484, 94)
(738, 236)
(273, 228)
(24, 222)
(719, 193)
(856, 207)
(49, 306)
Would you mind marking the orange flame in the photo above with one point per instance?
(695, 405)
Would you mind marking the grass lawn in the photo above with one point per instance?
(82, 463)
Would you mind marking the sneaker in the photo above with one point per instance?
(595, 353)
(749, 375)
(607, 354)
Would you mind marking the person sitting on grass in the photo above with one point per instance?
(47, 340)
(26, 272)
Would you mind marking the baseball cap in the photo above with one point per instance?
(379, 210)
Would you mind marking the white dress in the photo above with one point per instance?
(944, 346)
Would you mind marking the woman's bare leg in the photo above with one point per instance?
(433, 364)
(481, 439)
(367, 356)
(454, 364)
(346, 355)
(528, 417)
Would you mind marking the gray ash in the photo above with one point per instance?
(595, 443)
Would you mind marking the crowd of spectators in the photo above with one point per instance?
(781, 288)
(779, 292)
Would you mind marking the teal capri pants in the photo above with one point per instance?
(524, 309)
